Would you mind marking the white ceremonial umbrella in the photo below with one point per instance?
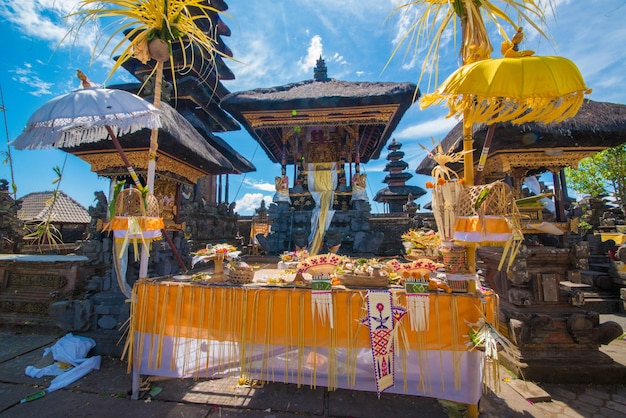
(88, 115)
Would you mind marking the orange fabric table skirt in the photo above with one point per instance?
(190, 330)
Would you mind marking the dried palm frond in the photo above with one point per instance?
(143, 21)
(430, 19)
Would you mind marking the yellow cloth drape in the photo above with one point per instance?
(323, 183)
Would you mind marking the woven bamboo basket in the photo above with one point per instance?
(241, 276)
(462, 283)
(490, 204)
(458, 284)
(455, 259)
(130, 202)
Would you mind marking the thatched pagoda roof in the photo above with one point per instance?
(198, 81)
(597, 126)
(398, 193)
(371, 109)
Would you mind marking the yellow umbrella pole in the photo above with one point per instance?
(468, 174)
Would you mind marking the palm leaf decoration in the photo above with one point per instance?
(429, 21)
(44, 232)
(145, 24)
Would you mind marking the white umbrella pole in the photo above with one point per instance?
(152, 154)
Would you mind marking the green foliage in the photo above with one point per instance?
(44, 232)
(117, 188)
(584, 227)
(604, 173)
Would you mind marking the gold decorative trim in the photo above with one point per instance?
(103, 161)
(363, 115)
(505, 162)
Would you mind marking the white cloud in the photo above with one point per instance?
(251, 201)
(266, 187)
(256, 62)
(430, 128)
(26, 77)
(47, 20)
(314, 52)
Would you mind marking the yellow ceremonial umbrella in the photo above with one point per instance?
(518, 90)
(545, 89)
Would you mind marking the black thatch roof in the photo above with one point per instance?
(198, 80)
(311, 94)
(596, 126)
(178, 139)
(333, 95)
(241, 164)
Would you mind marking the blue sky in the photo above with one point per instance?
(278, 42)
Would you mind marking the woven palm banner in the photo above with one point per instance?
(417, 303)
(381, 320)
(322, 298)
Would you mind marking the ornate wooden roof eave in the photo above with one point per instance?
(597, 126)
(375, 108)
(372, 135)
(240, 163)
(107, 163)
(502, 161)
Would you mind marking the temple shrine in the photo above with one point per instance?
(551, 297)
(324, 129)
(194, 164)
(519, 151)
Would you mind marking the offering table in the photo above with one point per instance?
(182, 329)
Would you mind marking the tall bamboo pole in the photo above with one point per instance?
(152, 155)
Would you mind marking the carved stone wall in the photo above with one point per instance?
(556, 339)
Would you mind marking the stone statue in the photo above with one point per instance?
(358, 186)
(99, 214)
(282, 189)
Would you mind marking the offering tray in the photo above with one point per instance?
(353, 280)
(280, 278)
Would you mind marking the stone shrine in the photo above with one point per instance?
(325, 129)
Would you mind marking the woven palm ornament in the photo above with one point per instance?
(488, 215)
(136, 220)
(381, 319)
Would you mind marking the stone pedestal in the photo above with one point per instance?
(556, 341)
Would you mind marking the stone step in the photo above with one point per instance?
(21, 318)
(603, 305)
(598, 258)
(569, 286)
(601, 267)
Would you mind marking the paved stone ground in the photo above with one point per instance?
(104, 393)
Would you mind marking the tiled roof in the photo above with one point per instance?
(36, 206)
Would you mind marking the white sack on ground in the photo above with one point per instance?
(72, 350)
